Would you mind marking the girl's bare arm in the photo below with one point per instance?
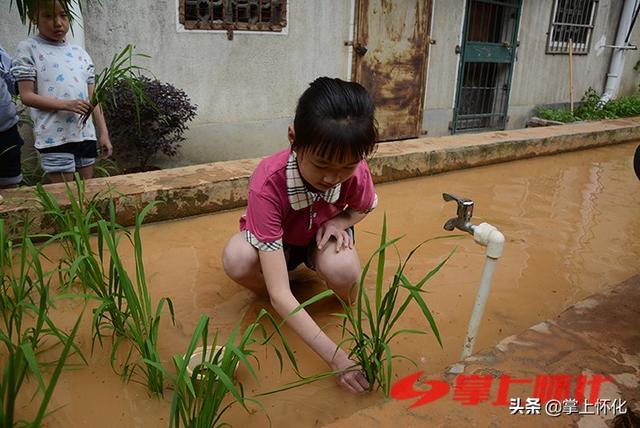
(274, 269)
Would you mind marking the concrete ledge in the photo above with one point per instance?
(220, 186)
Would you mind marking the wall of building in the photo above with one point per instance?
(538, 78)
(442, 71)
(246, 89)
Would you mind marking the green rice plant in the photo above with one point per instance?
(121, 69)
(200, 399)
(142, 323)
(369, 324)
(25, 328)
(88, 264)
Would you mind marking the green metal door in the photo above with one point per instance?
(488, 53)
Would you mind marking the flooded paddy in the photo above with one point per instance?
(571, 225)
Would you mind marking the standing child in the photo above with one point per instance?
(56, 79)
(302, 205)
(10, 140)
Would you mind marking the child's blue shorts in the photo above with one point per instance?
(68, 158)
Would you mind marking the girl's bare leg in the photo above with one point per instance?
(241, 263)
(86, 172)
(341, 271)
(60, 177)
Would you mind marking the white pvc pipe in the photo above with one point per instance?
(488, 236)
(617, 57)
(478, 307)
(77, 35)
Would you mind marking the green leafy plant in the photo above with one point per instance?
(85, 263)
(370, 324)
(590, 109)
(121, 69)
(558, 115)
(25, 326)
(162, 120)
(142, 323)
(199, 399)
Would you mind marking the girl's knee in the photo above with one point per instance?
(239, 258)
(340, 272)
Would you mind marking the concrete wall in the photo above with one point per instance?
(442, 72)
(245, 89)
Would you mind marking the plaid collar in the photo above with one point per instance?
(299, 196)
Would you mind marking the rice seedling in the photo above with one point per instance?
(142, 323)
(120, 69)
(369, 325)
(83, 262)
(201, 398)
(25, 327)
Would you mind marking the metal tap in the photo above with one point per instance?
(465, 212)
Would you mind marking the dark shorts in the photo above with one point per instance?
(68, 157)
(298, 254)
(10, 148)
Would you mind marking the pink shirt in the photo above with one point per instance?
(280, 210)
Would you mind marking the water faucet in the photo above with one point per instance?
(465, 212)
(487, 236)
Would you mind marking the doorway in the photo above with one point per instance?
(390, 58)
(488, 54)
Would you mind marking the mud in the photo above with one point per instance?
(571, 229)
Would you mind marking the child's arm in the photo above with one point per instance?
(30, 98)
(101, 127)
(274, 269)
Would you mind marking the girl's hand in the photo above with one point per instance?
(351, 377)
(78, 106)
(329, 229)
(106, 149)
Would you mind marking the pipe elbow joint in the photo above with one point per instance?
(490, 237)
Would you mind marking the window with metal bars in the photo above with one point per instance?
(234, 15)
(571, 22)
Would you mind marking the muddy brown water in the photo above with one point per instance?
(571, 225)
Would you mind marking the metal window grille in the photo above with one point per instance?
(571, 20)
(243, 15)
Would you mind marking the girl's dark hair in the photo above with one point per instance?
(335, 120)
(34, 6)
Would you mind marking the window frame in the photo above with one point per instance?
(562, 47)
(235, 27)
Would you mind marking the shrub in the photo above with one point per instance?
(590, 110)
(161, 120)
